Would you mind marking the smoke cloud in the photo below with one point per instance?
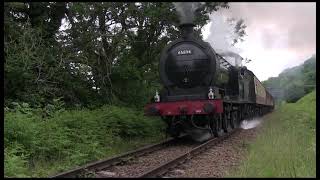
(221, 37)
(186, 11)
(251, 123)
(280, 35)
(221, 33)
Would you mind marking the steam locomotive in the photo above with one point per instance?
(204, 95)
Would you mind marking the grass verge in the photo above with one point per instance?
(287, 145)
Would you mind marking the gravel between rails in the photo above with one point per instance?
(219, 159)
(214, 162)
(139, 165)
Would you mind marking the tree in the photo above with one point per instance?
(35, 68)
(125, 49)
(108, 52)
(239, 30)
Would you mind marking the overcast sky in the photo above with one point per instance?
(280, 35)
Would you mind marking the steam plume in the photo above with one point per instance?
(186, 11)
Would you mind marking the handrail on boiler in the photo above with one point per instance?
(223, 61)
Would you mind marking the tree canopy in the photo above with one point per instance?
(89, 53)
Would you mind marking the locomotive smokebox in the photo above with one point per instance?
(186, 30)
(187, 63)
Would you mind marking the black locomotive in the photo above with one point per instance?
(203, 94)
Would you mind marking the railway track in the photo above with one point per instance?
(166, 167)
(150, 161)
(122, 158)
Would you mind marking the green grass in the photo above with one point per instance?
(287, 145)
(40, 147)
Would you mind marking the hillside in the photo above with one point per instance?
(293, 83)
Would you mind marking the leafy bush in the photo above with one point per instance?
(72, 137)
(16, 161)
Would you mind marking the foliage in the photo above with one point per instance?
(71, 137)
(287, 145)
(16, 161)
(239, 30)
(89, 54)
(294, 83)
(90, 57)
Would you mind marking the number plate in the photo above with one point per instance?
(184, 52)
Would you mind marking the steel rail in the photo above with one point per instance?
(163, 168)
(105, 163)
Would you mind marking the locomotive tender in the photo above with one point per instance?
(203, 95)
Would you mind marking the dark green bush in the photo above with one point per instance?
(75, 136)
(15, 160)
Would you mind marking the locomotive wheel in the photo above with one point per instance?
(260, 113)
(226, 124)
(249, 114)
(253, 113)
(234, 119)
(220, 125)
(174, 130)
(240, 114)
(217, 126)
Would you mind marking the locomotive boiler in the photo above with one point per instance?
(203, 95)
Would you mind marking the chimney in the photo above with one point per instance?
(186, 30)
